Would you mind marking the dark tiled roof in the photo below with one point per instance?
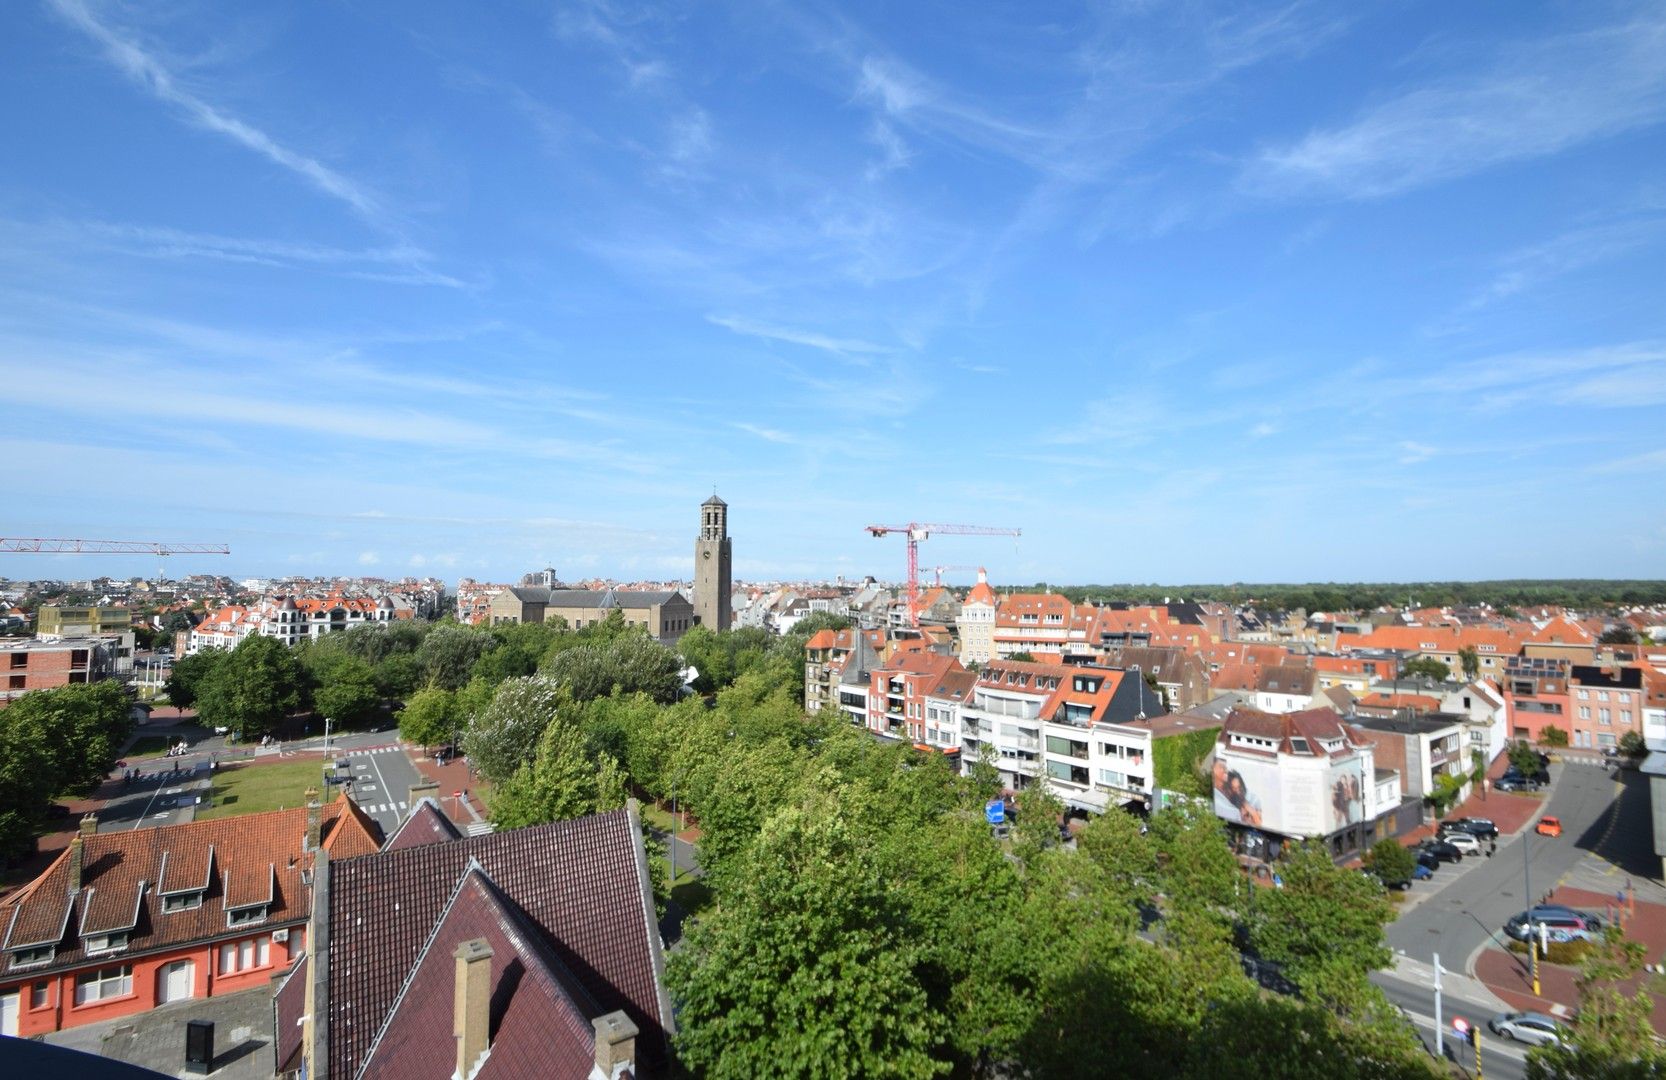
(582, 883)
(541, 1014)
(120, 871)
(426, 824)
(289, 1007)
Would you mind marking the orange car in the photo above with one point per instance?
(1549, 826)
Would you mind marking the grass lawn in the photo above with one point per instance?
(249, 789)
(148, 746)
(692, 894)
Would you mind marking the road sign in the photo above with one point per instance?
(995, 812)
(1460, 1025)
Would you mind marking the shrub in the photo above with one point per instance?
(1560, 952)
(1553, 736)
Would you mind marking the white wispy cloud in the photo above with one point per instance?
(1413, 453)
(149, 72)
(397, 263)
(1263, 429)
(1569, 252)
(1535, 99)
(848, 348)
(767, 434)
(369, 558)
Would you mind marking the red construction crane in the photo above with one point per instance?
(917, 531)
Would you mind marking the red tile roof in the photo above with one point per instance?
(426, 824)
(256, 858)
(582, 884)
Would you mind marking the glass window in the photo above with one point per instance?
(38, 995)
(103, 985)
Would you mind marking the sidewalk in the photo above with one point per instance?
(453, 777)
(1451, 982)
(1509, 974)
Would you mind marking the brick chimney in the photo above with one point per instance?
(424, 788)
(615, 1045)
(89, 825)
(472, 1005)
(77, 857)
(314, 820)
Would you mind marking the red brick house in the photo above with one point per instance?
(124, 921)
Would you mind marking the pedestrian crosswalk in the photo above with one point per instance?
(367, 751)
(384, 808)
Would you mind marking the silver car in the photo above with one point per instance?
(1528, 1027)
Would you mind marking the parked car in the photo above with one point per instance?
(1563, 923)
(1528, 1027)
(1421, 871)
(1540, 775)
(1479, 827)
(1549, 826)
(1508, 783)
(1464, 842)
(1427, 860)
(1442, 850)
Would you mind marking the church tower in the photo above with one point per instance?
(712, 566)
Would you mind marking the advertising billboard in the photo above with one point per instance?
(1312, 797)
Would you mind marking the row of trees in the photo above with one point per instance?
(865, 921)
(52, 743)
(1353, 596)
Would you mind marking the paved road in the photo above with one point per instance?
(382, 780)
(1468, 909)
(1500, 1057)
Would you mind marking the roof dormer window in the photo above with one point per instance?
(37, 956)
(246, 916)
(185, 901)
(97, 944)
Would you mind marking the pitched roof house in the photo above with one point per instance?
(527, 953)
(124, 921)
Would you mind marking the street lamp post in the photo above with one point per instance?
(1527, 885)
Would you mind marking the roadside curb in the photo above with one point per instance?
(1460, 983)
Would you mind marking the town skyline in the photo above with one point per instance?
(410, 292)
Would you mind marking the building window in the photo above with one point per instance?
(1602, 695)
(1602, 716)
(246, 916)
(39, 995)
(28, 958)
(1584, 695)
(181, 902)
(102, 985)
(1584, 712)
(236, 956)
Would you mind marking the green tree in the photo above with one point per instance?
(189, 673)
(1426, 665)
(29, 776)
(253, 688)
(627, 664)
(1550, 735)
(431, 717)
(1632, 745)
(448, 654)
(1620, 634)
(1390, 861)
(1470, 660)
(84, 727)
(1325, 926)
(347, 693)
(561, 782)
(1614, 1037)
(1523, 757)
(803, 970)
(505, 735)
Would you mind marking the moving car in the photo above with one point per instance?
(1463, 841)
(1549, 826)
(1528, 1027)
(1442, 850)
(1479, 827)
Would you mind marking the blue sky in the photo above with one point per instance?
(1187, 292)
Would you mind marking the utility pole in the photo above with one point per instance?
(1440, 1029)
(1532, 938)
